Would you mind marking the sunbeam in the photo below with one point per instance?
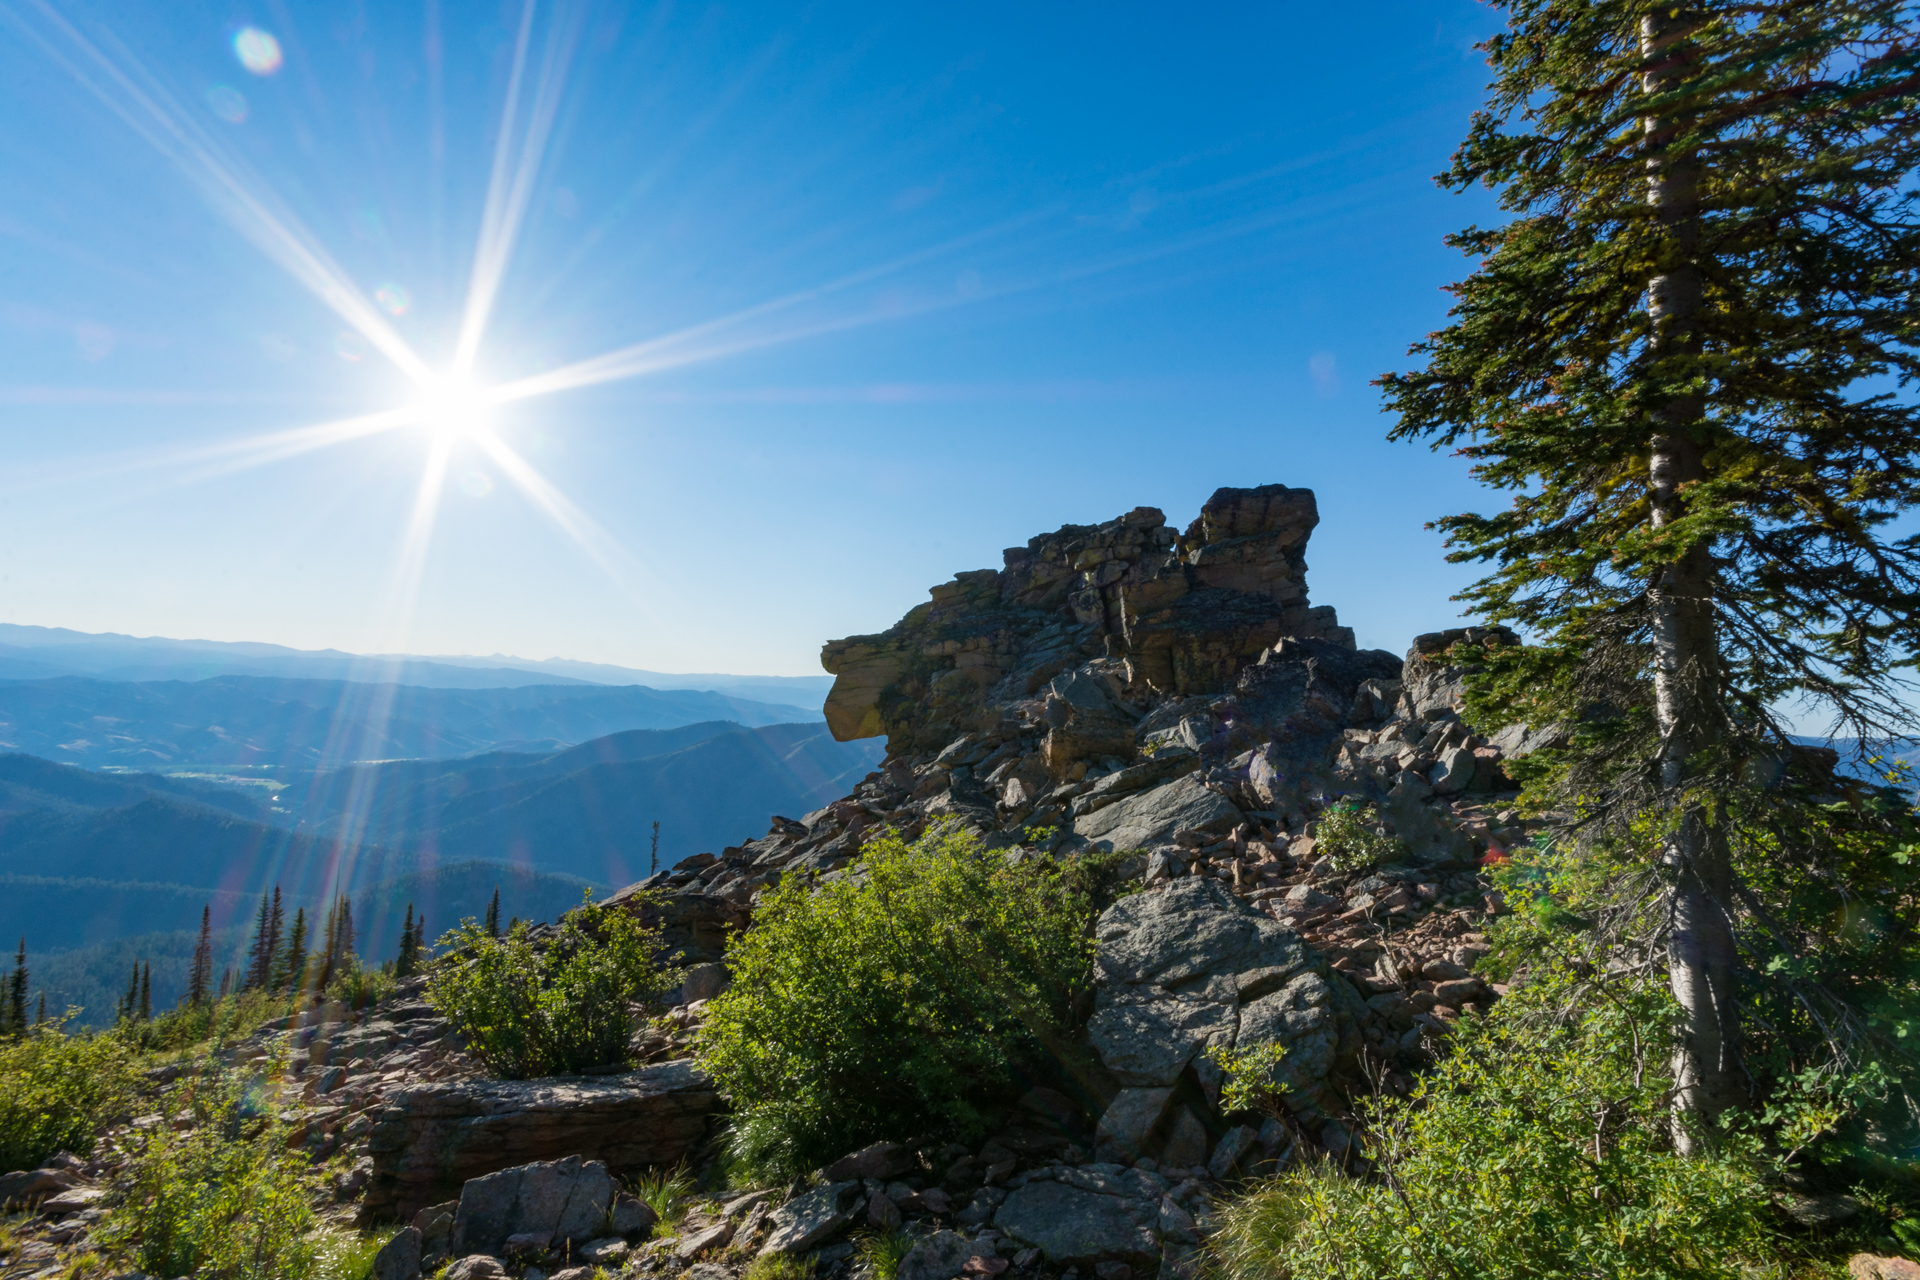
(152, 114)
(510, 185)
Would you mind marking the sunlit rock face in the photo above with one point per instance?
(1170, 614)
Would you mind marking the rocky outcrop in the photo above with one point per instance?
(555, 1202)
(430, 1139)
(1180, 614)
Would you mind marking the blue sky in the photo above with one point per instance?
(890, 288)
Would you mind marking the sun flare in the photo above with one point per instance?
(452, 407)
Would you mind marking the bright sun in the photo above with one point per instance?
(451, 406)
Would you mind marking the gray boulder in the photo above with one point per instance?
(477, 1266)
(1074, 1226)
(1152, 817)
(937, 1257)
(1191, 967)
(430, 1139)
(399, 1258)
(563, 1199)
(812, 1219)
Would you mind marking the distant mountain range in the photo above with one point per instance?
(588, 811)
(231, 721)
(90, 859)
(39, 653)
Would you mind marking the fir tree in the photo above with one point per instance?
(16, 1009)
(406, 960)
(422, 950)
(226, 982)
(200, 975)
(276, 933)
(493, 914)
(1676, 356)
(146, 991)
(291, 974)
(260, 953)
(40, 1015)
(130, 1003)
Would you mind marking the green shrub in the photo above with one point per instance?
(1352, 834)
(358, 987)
(57, 1091)
(223, 1198)
(881, 1254)
(219, 1021)
(533, 1010)
(666, 1192)
(897, 999)
(1535, 1151)
(780, 1266)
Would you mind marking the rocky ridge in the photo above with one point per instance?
(1169, 700)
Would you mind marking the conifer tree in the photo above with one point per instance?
(404, 962)
(260, 953)
(130, 1003)
(16, 1008)
(40, 1015)
(276, 932)
(291, 975)
(422, 950)
(493, 914)
(1680, 356)
(146, 991)
(200, 974)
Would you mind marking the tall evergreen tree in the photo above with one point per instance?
(1680, 357)
(260, 952)
(292, 972)
(16, 1008)
(493, 914)
(404, 962)
(130, 1003)
(40, 1015)
(146, 991)
(422, 950)
(200, 974)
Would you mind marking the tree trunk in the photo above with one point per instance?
(1701, 955)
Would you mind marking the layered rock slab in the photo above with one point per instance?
(430, 1139)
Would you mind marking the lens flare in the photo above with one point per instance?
(228, 103)
(393, 298)
(258, 51)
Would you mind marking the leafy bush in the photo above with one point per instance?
(1536, 1150)
(57, 1091)
(220, 1021)
(780, 1266)
(897, 999)
(881, 1254)
(1352, 834)
(666, 1192)
(530, 1009)
(221, 1199)
(357, 987)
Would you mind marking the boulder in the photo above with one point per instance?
(562, 1200)
(430, 1139)
(1152, 817)
(1870, 1266)
(808, 1221)
(399, 1258)
(30, 1186)
(477, 1266)
(1188, 967)
(882, 1160)
(631, 1216)
(939, 1256)
(1073, 1226)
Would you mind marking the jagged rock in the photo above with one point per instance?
(28, 1187)
(939, 1256)
(1191, 966)
(812, 1219)
(1185, 615)
(399, 1258)
(1073, 1226)
(430, 1139)
(882, 1160)
(696, 1243)
(1152, 817)
(1870, 1266)
(559, 1200)
(478, 1266)
(631, 1216)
